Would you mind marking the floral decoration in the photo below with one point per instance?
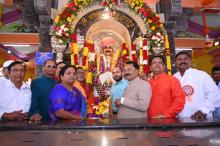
(62, 27)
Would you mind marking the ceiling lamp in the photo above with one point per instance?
(106, 14)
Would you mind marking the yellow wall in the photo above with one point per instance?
(206, 58)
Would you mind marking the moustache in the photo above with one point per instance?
(126, 75)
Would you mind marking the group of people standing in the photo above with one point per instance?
(46, 98)
(190, 93)
(60, 92)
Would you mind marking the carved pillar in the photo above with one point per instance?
(172, 10)
(43, 9)
(170, 33)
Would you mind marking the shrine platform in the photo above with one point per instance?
(112, 132)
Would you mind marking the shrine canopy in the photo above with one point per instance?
(152, 41)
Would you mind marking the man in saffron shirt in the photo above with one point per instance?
(168, 98)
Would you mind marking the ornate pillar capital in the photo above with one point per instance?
(43, 7)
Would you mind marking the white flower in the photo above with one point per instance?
(153, 38)
(158, 34)
(145, 62)
(67, 34)
(62, 26)
(58, 33)
(141, 59)
(133, 52)
(158, 39)
(146, 48)
(60, 41)
(91, 57)
(65, 29)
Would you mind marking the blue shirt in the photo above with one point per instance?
(41, 88)
(117, 91)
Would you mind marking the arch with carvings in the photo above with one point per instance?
(145, 20)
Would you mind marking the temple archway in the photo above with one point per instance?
(108, 28)
(134, 24)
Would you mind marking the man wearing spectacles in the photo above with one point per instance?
(15, 94)
(40, 89)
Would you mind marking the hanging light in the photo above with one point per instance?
(106, 14)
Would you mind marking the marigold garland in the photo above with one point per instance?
(62, 27)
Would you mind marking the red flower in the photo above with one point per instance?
(68, 14)
(74, 8)
(158, 23)
(141, 10)
(145, 42)
(146, 14)
(73, 37)
(115, 2)
(103, 3)
(69, 5)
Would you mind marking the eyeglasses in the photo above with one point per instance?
(49, 66)
(14, 70)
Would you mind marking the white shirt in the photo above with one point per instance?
(201, 92)
(2, 80)
(14, 99)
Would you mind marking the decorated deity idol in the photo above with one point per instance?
(106, 59)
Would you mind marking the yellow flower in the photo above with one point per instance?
(132, 5)
(124, 52)
(85, 51)
(69, 19)
(153, 28)
(149, 21)
(137, 8)
(137, 2)
(89, 77)
(57, 18)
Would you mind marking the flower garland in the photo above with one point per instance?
(125, 52)
(133, 52)
(62, 27)
(144, 55)
(74, 49)
(146, 66)
(167, 53)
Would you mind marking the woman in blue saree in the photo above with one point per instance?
(66, 101)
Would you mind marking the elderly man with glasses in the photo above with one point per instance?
(15, 94)
(41, 88)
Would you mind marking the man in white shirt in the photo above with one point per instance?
(15, 94)
(5, 71)
(216, 75)
(202, 94)
(216, 78)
